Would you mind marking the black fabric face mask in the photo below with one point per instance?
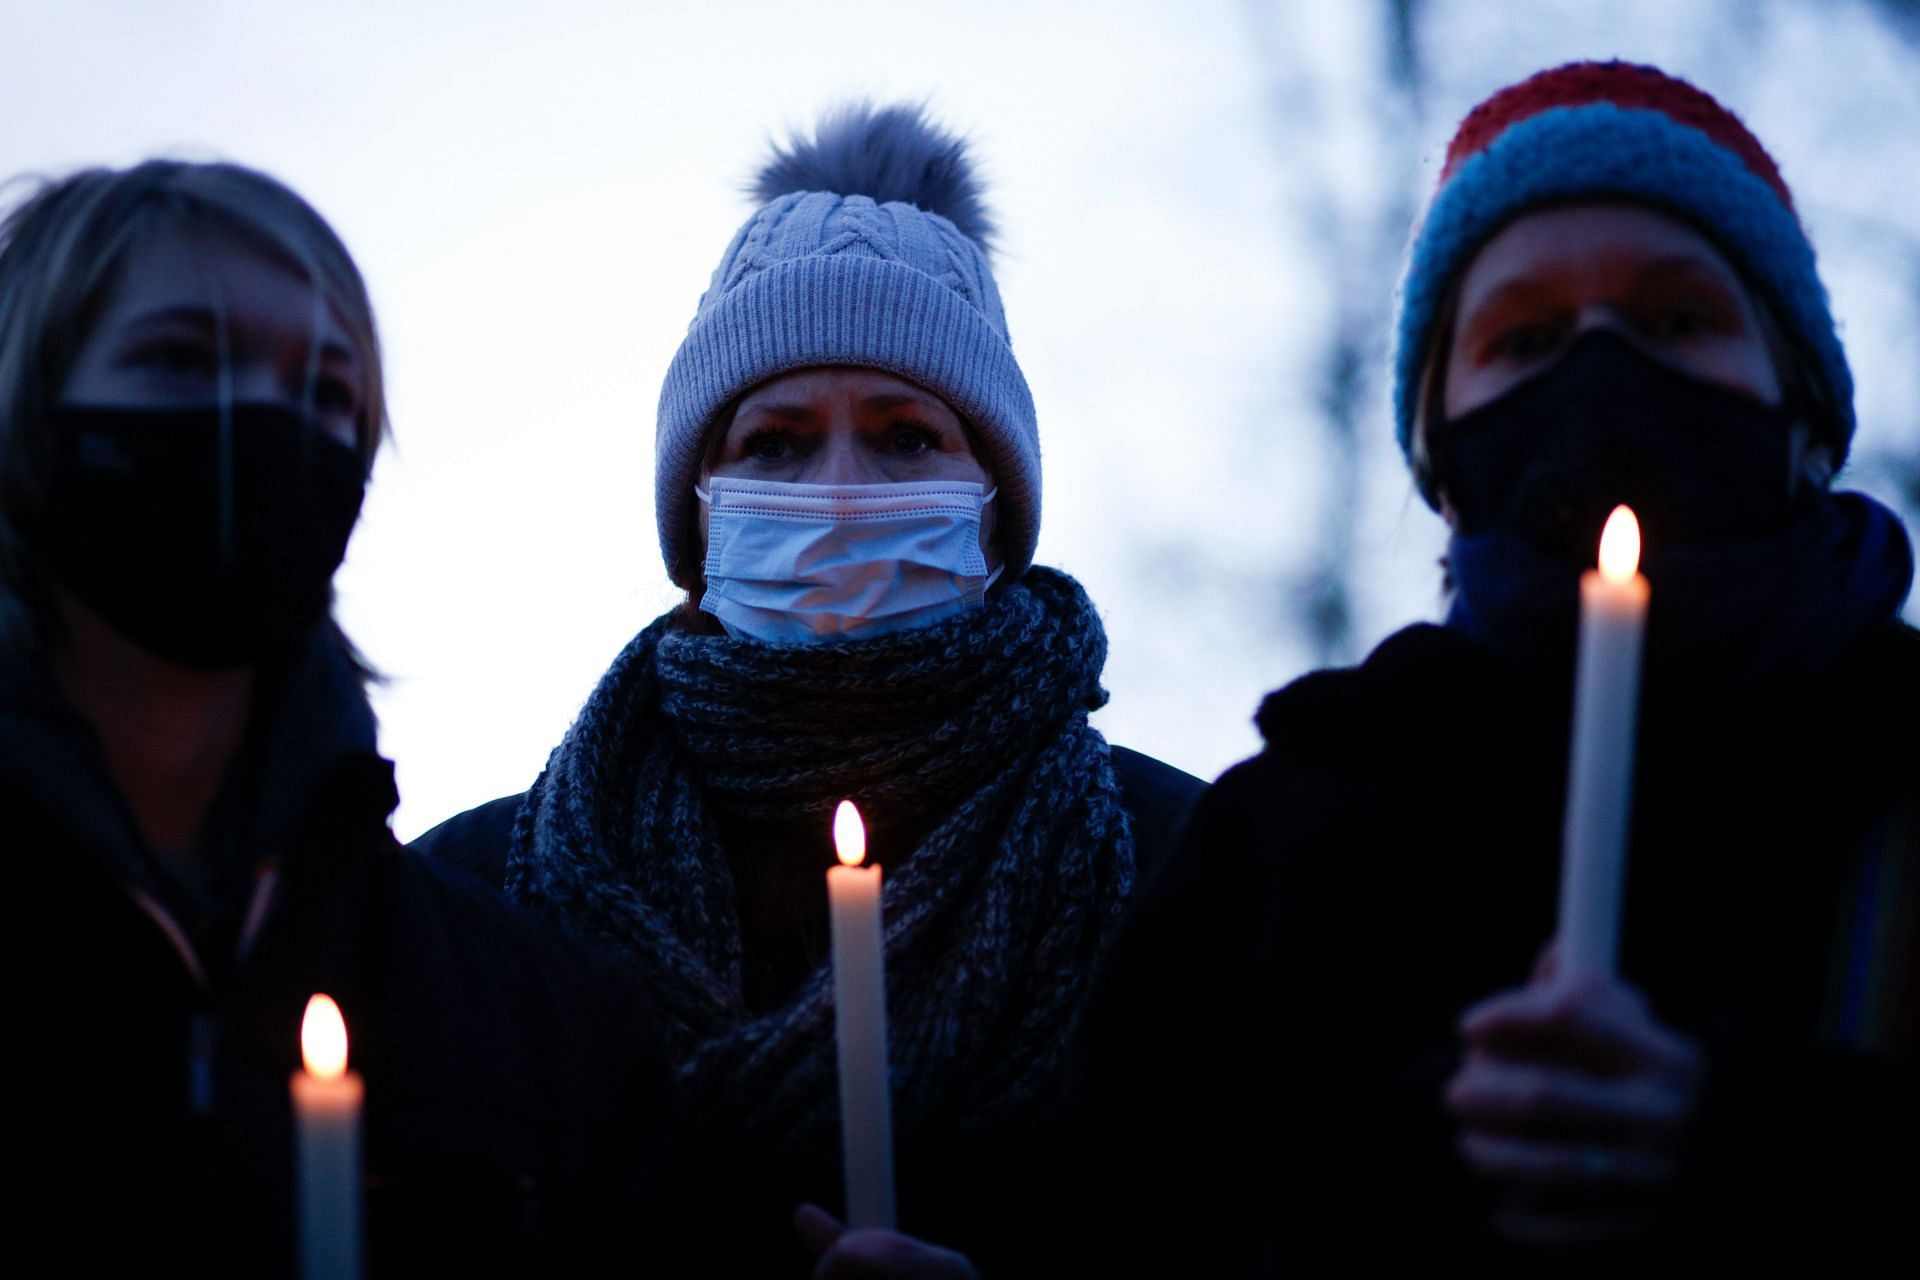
(1549, 460)
(208, 547)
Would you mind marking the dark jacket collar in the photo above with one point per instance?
(1429, 694)
(311, 721)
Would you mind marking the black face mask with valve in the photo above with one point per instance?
(1548, 461)
(208, 537)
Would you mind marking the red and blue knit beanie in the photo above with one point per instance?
(1613, 129)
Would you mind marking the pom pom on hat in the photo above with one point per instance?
(1621, 131)
(888, 154)
(869, 251)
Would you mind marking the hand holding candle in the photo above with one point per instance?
(1613, 616)
(860, 1025)
(326, 1107)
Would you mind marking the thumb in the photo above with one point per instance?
(1548, 965)
(817, 1228)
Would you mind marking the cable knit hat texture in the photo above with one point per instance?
(869, 249)
(1617, 130)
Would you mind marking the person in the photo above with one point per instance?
(848, 488)
(1610, 300)
(195, 814)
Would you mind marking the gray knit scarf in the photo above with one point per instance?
(976, 727)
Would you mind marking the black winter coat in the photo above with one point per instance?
(515, 1117)
(1279, 1018)
(992, 1194)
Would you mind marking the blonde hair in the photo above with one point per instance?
(61, 250)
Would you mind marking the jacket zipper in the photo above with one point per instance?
(203, 1029)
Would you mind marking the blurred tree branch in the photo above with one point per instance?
(1902, 17)
(1361, 239)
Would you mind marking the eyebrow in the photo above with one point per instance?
(797, 410)
(1525, 291)
(199, 316)
(1682, 264)
(800, 411)
(1521, 291)
(894, 400)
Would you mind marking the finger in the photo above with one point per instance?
(1540, 1228)
(1547, 964)
(1518, 1097)
(1546, 1168)
(817, 1228)
(873, 1254)
(1575, 1000)
(1586, 1020)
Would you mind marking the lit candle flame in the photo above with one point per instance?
(849, 834)
(323, 1039)
(1620, 546)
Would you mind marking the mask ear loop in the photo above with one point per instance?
(1805, 411)
(223, 383)
(1430, 429)
(316, 330)
(310, 377)
(223, 349)
(1427, 451)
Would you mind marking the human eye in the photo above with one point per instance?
(1681, 319)
(332, 394)
(766, 444)
(1682, 322)
(1521, 343)
(1685, 303)
(175, 358)
(911, 439)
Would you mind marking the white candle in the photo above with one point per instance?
(326, 1108)
(1613, 617)
(860, 1025)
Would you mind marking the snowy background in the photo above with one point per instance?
(1203, 205)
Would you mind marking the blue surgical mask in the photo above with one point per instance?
(810, 563)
